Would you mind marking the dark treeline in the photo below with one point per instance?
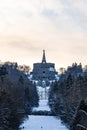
(17, 96)
(66, 94)
(80, 119)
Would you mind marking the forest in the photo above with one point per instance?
(69, 94)
(17, 96)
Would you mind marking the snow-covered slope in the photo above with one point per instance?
(43, 122)
(43, 105)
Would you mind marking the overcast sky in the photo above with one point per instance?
(29, 26)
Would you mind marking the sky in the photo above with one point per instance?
(57, 26)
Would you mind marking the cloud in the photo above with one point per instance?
(26, 15)
(77, 11)
(28, 27)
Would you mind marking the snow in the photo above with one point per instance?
(57, 76)
(51, 69)
(30, 76)
(43, 105)
(43, 92)
(43, 122)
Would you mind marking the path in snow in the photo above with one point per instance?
(43, 122)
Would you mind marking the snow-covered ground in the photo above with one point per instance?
(43, 122)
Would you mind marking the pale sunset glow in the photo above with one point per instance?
(29, 26)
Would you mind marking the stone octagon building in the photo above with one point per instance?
(43, 74)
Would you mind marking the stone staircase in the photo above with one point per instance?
(42, 113)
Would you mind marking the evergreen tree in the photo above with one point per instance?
(9, 116)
